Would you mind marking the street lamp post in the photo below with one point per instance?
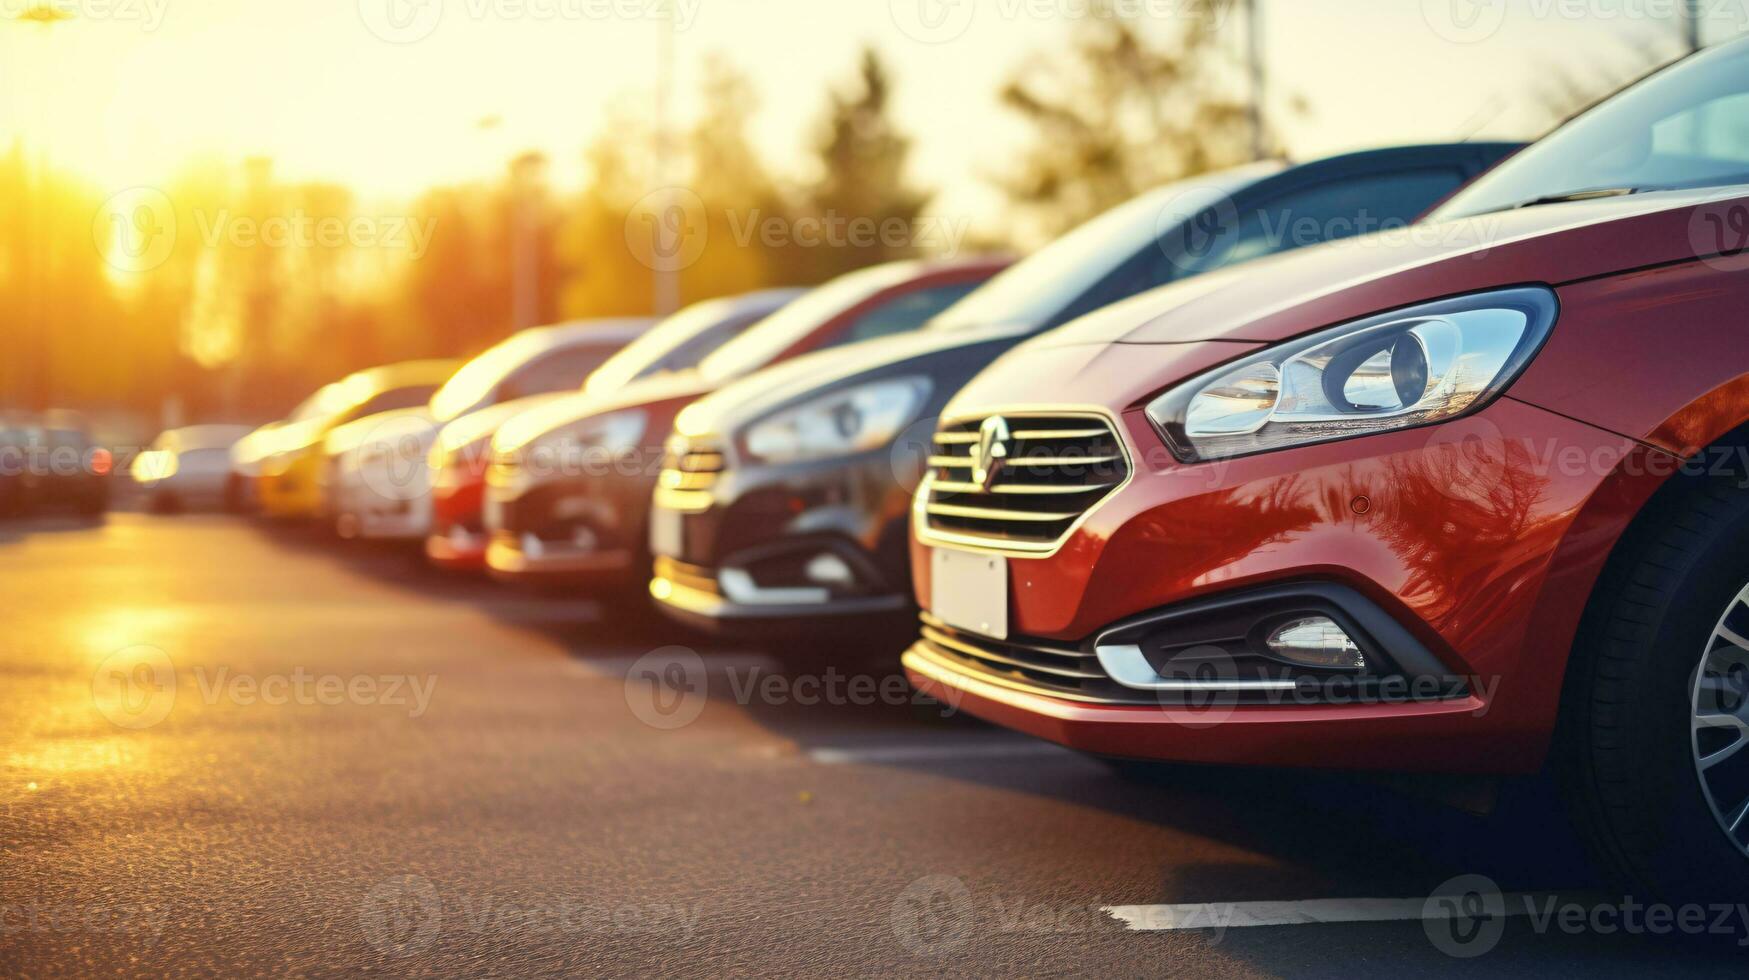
(42, 17)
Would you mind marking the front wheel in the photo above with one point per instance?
(1657, 737)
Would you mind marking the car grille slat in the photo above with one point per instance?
(1041, 489)
(689, 468)
(1049, 470)
(1035, 665)
(997, 513)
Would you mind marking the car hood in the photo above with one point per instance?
(483, 423)
(1283, 296)
(575, 407)
(800, 378)
(248, 452)
(384, 427)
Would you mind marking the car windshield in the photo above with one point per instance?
(474, 383)
(1685, 126)
(653, 352)
(1033, 291)
(763, 342)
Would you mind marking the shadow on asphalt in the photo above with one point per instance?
(1307, 833)
(16, 529)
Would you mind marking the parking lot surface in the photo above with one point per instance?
(235, 747)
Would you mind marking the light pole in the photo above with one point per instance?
(665, 276)
(42, 16)
(1254, 68)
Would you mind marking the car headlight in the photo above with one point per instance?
(586, 447)
(847, 421)
(1397, 370)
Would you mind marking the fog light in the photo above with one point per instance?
(1316, 641)
(829, 569)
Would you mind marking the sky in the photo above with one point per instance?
(388, 95)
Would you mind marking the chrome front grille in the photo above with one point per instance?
(689, 468)
(1019, 481)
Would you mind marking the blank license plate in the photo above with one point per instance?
(666, 535)
(970, 591)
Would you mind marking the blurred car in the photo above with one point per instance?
(1468, 502)
(463, 447)
(568, 491)
(14, 442)
(60, 465)
(788, 502)
(251, 451)
(187, 467)
(288, 483)
(375, 481)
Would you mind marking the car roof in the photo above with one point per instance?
(605, 330)
(404, 374)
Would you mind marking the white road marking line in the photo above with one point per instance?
(882, 754)
(1317, 911)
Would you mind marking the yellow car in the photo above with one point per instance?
(287, 485)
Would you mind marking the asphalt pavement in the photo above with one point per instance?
(237, 748)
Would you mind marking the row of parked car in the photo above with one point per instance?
(1463, 497)
(50, 461)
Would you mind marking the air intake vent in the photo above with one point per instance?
(1019, 482)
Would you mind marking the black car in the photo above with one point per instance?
(53, 463)
(15, 433)
(786, 499)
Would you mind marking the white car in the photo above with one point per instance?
(187, 468)
(375, 480)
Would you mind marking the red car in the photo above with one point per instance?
(567, 498)
(1469, 499)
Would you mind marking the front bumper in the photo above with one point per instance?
(458, 538)
(780, 550)
(292, 493)
(380, 506)
(582, 531)
(1481, 538)
(1436, 736)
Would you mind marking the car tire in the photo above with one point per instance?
(1629, 750)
